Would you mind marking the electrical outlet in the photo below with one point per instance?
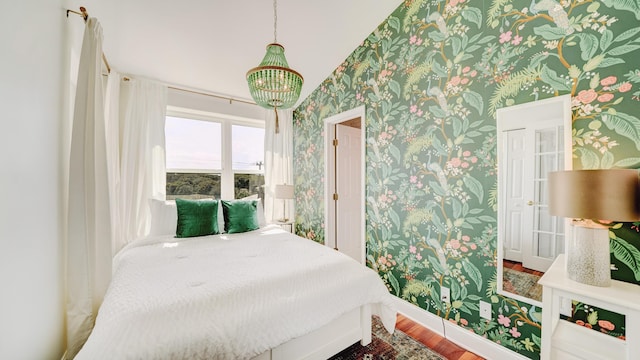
(485, 310)
(445, 294)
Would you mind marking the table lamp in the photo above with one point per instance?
(284, 192)
(592, 198)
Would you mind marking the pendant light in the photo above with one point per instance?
(273, 84)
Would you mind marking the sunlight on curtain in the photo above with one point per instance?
(143, 106)
(89, 220)
(278, 157)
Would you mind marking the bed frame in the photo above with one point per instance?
(327, 340)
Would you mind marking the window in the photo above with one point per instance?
(213, 157)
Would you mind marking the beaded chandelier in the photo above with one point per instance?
(273, 84)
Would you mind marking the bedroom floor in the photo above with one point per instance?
(434, 341)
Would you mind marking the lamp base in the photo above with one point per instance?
(588, 259)
(283, 220)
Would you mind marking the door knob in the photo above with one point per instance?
(530, 203)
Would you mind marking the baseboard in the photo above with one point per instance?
(421, 316)
(456, 334)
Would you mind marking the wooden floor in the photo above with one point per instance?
(434, 341)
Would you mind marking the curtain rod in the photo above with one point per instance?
(85, 16)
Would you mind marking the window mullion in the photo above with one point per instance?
(227, 168)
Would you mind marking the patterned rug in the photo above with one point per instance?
(385, 346)
(522, 283)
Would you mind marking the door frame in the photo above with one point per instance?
(329, 173)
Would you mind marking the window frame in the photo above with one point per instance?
(227, 174)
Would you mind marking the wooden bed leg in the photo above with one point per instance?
(365, 321)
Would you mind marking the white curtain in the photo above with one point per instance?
(278, 163)
(143, 106)
(88, 248)
(111, 111)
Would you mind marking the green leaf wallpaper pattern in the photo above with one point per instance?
(431, 78)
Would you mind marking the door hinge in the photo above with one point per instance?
(335, 142)
(335, 196)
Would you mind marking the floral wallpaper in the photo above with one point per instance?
(432, 76)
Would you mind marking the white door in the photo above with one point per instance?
(514, 193)
(546, 231)
(531, 149)
(348, 182)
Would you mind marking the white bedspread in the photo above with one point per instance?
(226, 296)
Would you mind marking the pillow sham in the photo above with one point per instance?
(164, 217)
(240, 215)
(197, 218)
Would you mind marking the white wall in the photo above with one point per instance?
(31, 284)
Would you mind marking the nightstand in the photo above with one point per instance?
(287, 225)
(565, 340)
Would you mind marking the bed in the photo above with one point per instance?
(261, 294)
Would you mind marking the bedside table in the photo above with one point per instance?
(565, 340)
(287, 225)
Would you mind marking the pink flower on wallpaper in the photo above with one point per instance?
(609, 80)
(418, 257)
(464, 81)
(413, 108)
(466, 238)
(505, 37)
(624, 87)
(504, 321)
(413, 179)
(606, 325)
(587, 96)
(455, 244)
(516, 40)
(465, 69)
(412, 249)
(464, 322)
(455, 80)
(455, 162)
(464, 249)
(514, 332)
(466, 153)
(473, 246)
(605, 97)
(473, 73)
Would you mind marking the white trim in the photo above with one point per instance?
(421, 316)
(456, 334)
(360, 112)
(175, 111)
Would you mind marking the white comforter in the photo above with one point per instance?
(226, 296)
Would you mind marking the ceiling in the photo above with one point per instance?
(209, 45)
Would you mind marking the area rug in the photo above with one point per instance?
(522, 283)
(385, 346)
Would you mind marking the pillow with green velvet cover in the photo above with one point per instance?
(240, 215)
(197, 218)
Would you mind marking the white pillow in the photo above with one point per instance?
(164, 217)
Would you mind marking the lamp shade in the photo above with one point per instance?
(284, 191)
(610, 194)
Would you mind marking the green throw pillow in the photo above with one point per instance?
(240, 215)
(197, 218)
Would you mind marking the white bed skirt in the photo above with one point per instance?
(328, 340)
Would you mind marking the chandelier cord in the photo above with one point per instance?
(275, 21)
